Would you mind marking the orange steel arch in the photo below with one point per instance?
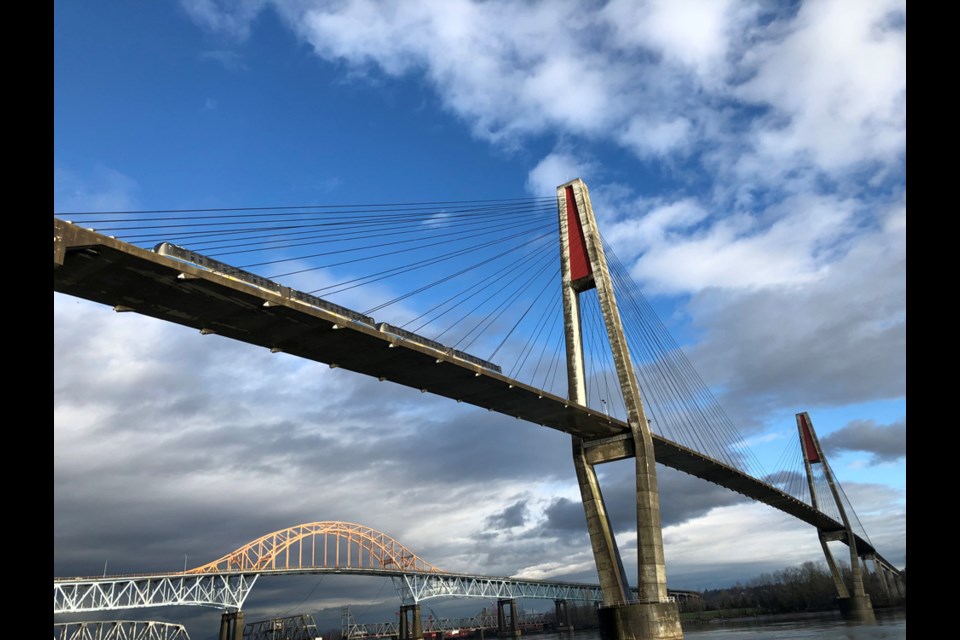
(320, 545)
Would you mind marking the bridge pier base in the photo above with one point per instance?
(411, 627)
(231, 625)
(562, 616)
(507, 623)
(857, 609)
(640, 621)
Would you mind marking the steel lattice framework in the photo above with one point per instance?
(119, 630)
(76, 595)
(315, 545)
(416, 587)
(301, 627)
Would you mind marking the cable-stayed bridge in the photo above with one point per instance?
(502, 255)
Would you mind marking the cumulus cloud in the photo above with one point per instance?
(513, 516)
(836, 81)
(161, 442)
(555, 169)
(837, 338)
(656, 77)
(886, 442)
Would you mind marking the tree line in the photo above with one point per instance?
(806, 587)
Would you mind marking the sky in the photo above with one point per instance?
(745, 159)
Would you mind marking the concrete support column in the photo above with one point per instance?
(562, 616)
(411, 627)
(606, 555)
(583, 266)
(857, 608)
(899, 585)
(834, 569)
(856, 605)
(507, 626)
(881, 577)
(878, 576)
(640, 621)
(231, 625)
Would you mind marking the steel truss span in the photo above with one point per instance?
(414, 588)
(301, 627)
(80, 595)
(119, 630)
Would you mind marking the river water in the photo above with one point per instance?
(891, 625)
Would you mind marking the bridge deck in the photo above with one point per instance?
(102, 269)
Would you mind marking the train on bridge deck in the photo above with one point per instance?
(239, 275)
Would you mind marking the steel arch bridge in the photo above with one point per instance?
(311, 548)
(315, 545)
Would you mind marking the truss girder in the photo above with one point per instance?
(119, 630)
(414, 588)
(301, 627)
(222, 591)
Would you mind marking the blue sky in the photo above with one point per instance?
(745, 159)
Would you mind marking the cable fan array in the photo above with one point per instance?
(790, 475)
(481, 277)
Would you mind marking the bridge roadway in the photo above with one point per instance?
(96, 267)
(231, 588)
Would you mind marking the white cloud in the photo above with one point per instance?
(836, 83)
(231, 17)
(686, 250)
(657, 137)
(667, 80)
(839, 337)
(661, 224)
(553, 170)
(694, 33)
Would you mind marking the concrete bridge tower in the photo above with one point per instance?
(652, 615)
(854, 604)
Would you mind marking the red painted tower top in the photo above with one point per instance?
(809, 449)
(580, 267)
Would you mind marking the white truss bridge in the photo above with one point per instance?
(230, 590)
